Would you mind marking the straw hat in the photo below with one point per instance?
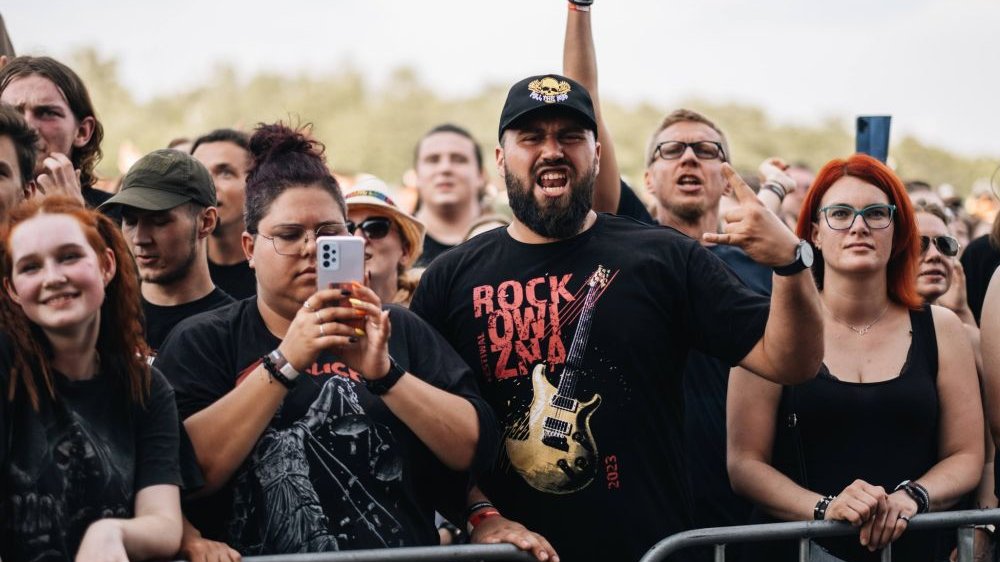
(370, 194)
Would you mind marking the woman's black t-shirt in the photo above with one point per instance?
(80, 458)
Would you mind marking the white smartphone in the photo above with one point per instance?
(339, 259)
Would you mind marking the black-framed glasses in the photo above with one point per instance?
(842, 217)
(947, 245)
(373, 228)
(704, 150)
(290, 240)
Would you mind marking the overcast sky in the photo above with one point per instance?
(932, 64)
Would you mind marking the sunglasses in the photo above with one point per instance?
(373, 228)
(947, 245)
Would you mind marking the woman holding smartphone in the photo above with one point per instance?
(892, 424)
(321, 432)
(88, 432)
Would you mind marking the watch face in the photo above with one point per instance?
(806, 253)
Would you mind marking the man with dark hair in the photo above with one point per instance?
(226, 154)
(167, 204)
(578, 325)
(55, 102)
(450, 181)
(17, 159)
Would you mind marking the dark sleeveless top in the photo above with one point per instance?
(830, 432)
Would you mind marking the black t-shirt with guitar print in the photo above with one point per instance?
(580, 345)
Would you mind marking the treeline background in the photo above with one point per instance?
(373, 129)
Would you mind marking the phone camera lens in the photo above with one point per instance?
(326, 264)
(326, 255)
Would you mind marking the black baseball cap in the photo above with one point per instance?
(164, 179)
(546, 91)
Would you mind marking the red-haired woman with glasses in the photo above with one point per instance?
(892, 424)
(88, 432)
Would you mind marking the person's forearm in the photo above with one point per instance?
(793, 338)
(151, 536)
(767, 487)
(224, 433)
(952, 478)
(580, 64)
(443, 421)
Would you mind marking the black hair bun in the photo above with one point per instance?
(275, 140)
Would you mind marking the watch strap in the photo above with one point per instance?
(384, 384)
(796, 266)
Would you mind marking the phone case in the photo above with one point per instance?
(339, 259)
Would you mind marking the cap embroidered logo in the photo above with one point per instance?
(549, 90)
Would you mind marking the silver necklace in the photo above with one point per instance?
(864, 329)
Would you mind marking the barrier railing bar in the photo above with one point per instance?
(466, 553)
(966, 542)
(806, 529)
(720, 553)
(887, 553)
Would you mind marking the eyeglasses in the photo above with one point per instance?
(291, 240)
(373, 228)
(704, 150)
(947, 245)
(842, 217)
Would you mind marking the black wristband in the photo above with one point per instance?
(581, 2)
(476, 507)
(775, 188)
(918, 493)
(819, 512)
(276, 374)
(382, 385)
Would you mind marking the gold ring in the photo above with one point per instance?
(322, 333)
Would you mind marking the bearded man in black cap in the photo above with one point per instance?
(578, 325)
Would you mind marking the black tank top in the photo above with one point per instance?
(831, 432)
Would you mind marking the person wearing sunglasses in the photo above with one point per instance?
(892, 424)
(394, 240)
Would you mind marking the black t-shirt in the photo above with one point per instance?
(335, 469)
(94, 197)
(80, 458)
(979, 261)
(629, 205)
(432, 249)
(706, 381)
(593, 460)
(237, 280)
(161, 319)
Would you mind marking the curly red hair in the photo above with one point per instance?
(120, 342)
(905, 256)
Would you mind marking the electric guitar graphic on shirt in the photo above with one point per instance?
(551, 447)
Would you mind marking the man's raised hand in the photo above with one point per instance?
(753, 228)
(60, 178)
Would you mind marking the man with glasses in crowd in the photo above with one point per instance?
(578, 325)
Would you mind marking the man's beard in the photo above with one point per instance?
(180, 271)
(549, 219)
(687, 213)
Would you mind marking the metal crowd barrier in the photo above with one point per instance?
(804, 531)
(461, 553)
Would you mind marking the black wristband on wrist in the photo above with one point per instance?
(918, 493)
(776, 188)
(276, 374)
(382, 385)
(476, 507)
(581, 2)
(819, 512)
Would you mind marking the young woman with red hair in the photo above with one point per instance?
(892, 424)
(88, 432)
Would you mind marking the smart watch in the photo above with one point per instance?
(382, 385)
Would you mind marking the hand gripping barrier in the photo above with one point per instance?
(806, 530)
(459, 553)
